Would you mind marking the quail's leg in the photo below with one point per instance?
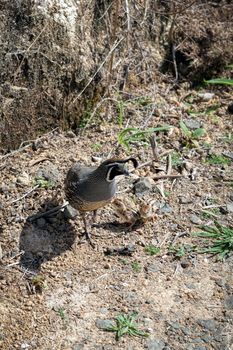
(86, 231)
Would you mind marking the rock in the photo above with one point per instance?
(78, 346)
(70, 134)
(165, 209)
(70, 212)
(49, 172)
(103, 324)
(192, 124)
(195, 219)
(210, 324)
(154, 344)
(229, 302)
(142, 186)
(104, 310)
(23, 179)
(4, 188)
(153, 268)
(205, 96)
(230, 207)
(41, 222)
(230, 108)
(184, 200)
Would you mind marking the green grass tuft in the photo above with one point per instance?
(125, 324)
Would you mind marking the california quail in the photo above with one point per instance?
(91, 188)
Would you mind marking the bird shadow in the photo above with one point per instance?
(44, 238)
(118, 227)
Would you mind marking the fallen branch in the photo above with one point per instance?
(26, 194)
(166, 176)
(47, 213)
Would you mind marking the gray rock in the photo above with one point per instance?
(142, 186)
(166, 209)
(79, 346)
(23, 179)
(154, 344)
(184, 200)
(210, 324)
(230, 207)
(153, 268)
(192, 124)
(103, 324)
(201, 347)
(49, 172)
(195, 219)
(41, 222)
(104, 310)
(205, 96)
(175, 325)
(70, 212)
(229, 302)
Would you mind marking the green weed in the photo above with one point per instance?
(176, 159)
(129, 135)
(136, 266)
(221, 237)
(221, 81)
(179, 251)
(191, 137)
(125, 324)
(41, 182)
(96, 146)
(152, 249)
(216, 159)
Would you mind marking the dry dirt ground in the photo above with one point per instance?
(56, 293)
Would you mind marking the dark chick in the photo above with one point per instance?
(90, 188)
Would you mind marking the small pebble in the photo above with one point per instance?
(195, 219)
(230, 207)
(205, 96)
(103, 324)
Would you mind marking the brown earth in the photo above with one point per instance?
(54, 291)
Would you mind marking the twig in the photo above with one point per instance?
(174, 62)
(12, 264)
(47, 213)
(159, 177)
(154, 147)
(25, 195)
(169, 165)
(16, 255)
(97, 71)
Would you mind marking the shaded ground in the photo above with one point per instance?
(183, 303)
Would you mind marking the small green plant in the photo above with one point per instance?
(228, 138)
(129, 135)
(217, 159)
(124, 261)
(61, 313)
(125, 324)
(136, 266)
(179, 251)
(207, 214)
(222, 240)
(176, 159)
(120, 110)
(41, 182)
(191, 137)
(96, 146)
(152, 249)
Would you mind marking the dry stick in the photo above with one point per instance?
(174, 62)
(154, 147)
(97, 71)
(159, 177)
(29, 47)
(169, 165)
(25, 195)
(47, 213)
